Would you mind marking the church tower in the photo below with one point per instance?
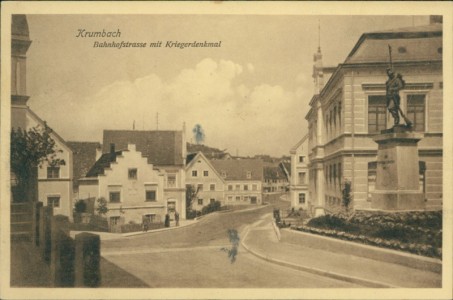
(318, 74)
(20, 42)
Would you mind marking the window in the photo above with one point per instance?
(254, 187)
(115, 197)
(230, 198)
(200, 201)
(416, 111)
(53, 172)
(53, 201)
(132, 173)
(301, 177)
(253, 200)
(249, 174)
(301, 159)
(171, 180)
(246, 198)
(212, 187)
(205, 173)
(238, 198)
(301, 198)
(377, 114)
(114, 220)
(238, 187)
(230, 187)
(246, 187)
(150, 218)
(200, 187)
(211, 201)
(150, 196)
(194, 173)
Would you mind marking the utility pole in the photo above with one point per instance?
(157, 121)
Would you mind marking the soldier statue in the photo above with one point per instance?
(392, 87)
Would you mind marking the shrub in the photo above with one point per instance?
(80, 206)
(211, 207)
(102, 208)
(192, 214)
(131, 227)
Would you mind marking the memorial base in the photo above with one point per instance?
(397, 171)
(395, 201)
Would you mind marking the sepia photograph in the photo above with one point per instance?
(226, 150)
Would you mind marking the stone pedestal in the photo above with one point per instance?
(397, 171)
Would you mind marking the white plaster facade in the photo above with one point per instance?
(299, 193)
(133, 188)
(201, 175)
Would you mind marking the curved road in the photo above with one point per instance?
(190, 257)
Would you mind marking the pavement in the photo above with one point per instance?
(261, 240)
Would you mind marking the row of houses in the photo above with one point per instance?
(348, 109)
(140, 174)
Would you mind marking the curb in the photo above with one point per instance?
(158, 230)
(352, 279)
(406, 259)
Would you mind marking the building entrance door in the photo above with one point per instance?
(171, 208)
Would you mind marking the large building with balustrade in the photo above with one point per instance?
(350, 108)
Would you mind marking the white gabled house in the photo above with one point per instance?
(299, 194)
(133, 188)
(203, 177)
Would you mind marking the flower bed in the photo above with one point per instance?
(415, 232)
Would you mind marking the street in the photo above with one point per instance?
(191, 256)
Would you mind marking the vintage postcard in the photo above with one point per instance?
(226, 150)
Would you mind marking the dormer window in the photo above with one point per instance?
(249, 174)
(224, 174)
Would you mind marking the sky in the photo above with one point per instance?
(250, 95)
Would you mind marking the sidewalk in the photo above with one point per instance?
(261, 240)
(111, 236)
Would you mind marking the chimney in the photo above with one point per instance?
(112, 148)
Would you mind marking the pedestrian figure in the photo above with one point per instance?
(167, 220)
(234, 240)
(177, 218)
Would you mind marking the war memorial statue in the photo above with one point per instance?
(394, 84)
(397, 185)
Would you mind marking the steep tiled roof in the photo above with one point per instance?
(236, 169)
(189, 157)
(162, 148)
(408, 44)
(209, 152)
(286, 166)
(103, 162)
(274, 172)
(83, 157)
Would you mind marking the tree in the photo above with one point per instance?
(347, 194)
(102, 208)
(30, 150)
(191, 195)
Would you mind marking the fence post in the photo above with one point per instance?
(46, 214)
(36, 210)
(62, 253)
(87, 260)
